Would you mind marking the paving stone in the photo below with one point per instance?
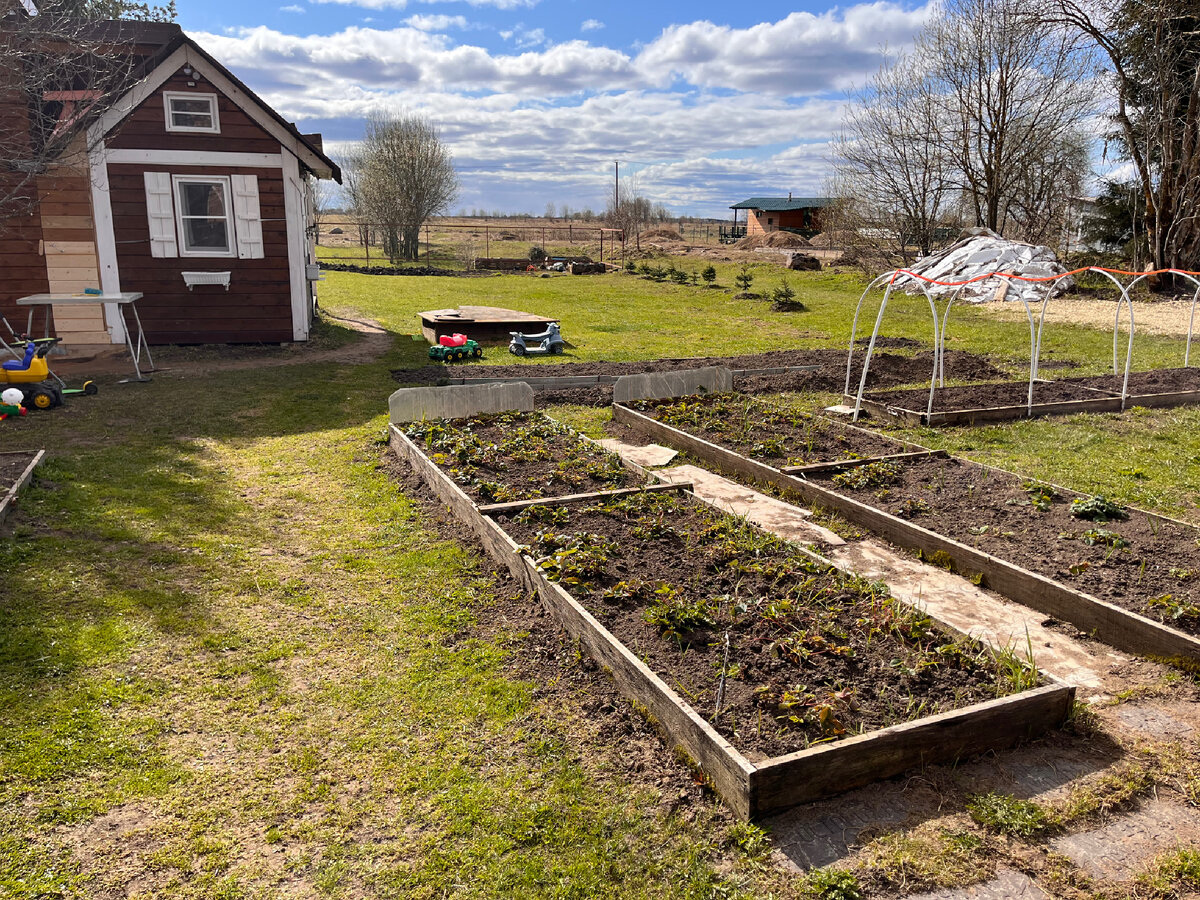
(1152, 720)
(662, 385)
(650, 456)
(458, 401)
(1122, 848)
(788, 521)
(1008, 883)
(820, 834)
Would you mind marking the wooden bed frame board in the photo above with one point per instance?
(755, 789)
(25, 477)
(1105, 621)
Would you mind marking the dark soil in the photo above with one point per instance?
(12, 466)
(987, 396)
(1156, 573)
(1157, 381)
(764, 432)
(813, 657)
(518, 456)
(887, 370)
(386, 270)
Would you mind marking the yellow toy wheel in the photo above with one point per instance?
(41, 400)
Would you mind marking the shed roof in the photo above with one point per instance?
(782, 204)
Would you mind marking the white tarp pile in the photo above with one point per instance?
(979, 252)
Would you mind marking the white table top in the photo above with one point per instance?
(39, 299)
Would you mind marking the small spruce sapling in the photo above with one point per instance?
(744, 278)
(709, 275)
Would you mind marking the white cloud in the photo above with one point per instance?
(799, 54)
(707, 114)
(292, 9)
(435, 22)
(591, 25)
(403, 4)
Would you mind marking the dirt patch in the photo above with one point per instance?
(661, 234)
(887, 370)
(1140, 563)
(183, 361)
(12, 466)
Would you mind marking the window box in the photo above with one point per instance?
(191, 279)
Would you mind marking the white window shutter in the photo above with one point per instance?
(161, 213)
(247, 215)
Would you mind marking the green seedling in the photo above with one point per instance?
(1097, 509)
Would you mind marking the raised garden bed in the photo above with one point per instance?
(16, 471)
(656, 581)
(1001, 401)
(1025, 561)
(518, 456)
(793, 440)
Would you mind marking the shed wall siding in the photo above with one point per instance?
(146, 129)
(257, 306)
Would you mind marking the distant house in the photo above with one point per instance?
(766, 214)
(188, 189)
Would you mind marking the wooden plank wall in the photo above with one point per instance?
(145, 128)
(23, 267)
(258, 305)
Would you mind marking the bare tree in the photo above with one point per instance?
(404, 175)
(893, 175)
(1152, 48)
(632, 212)
(320, 195)
(59, 70)
(1015, 94)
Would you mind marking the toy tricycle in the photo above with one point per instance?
(550, 342)
(31, 375)
(451, 347)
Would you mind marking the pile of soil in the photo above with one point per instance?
(1142, 559)
(887, 370)
(783, 240)
(660, 234)
(828, 240)
(812, 657)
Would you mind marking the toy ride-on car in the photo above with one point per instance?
(455, 347)
(31, 375)
(548, 342)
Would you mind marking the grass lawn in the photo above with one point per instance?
(237, 660)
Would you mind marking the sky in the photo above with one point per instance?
(702, 104)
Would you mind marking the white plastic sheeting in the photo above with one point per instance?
(976, 255)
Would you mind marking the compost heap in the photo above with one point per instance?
(978, 252)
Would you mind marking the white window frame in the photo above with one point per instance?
(215, 128)
(230, 228)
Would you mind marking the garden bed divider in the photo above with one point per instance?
(840, 464)
(1117, 627)
(991, 413)
(23, 479)
(756, 789)
(498, 509)
(571, 381)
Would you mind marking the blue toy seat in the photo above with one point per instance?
(18, 365)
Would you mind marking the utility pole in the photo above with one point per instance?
(616, 185)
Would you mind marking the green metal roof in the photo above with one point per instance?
(782, 204)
